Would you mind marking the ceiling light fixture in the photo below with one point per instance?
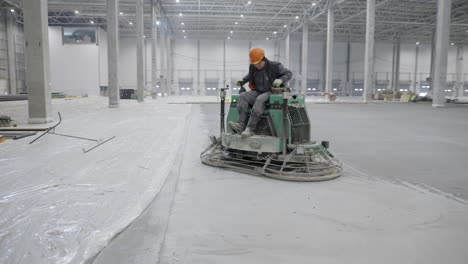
(297, 17)
(182, 23)
(243, 16)
(177, 1)
(12, 10)
(417, 43)
(157, 22)
(121, 13)
(249, 2)
(131, 23)
(231, 32)
(76, 11)
(285, 26)
(275, 32)
(452, 43)
(185, 37)
(236, 22)
(313, 4)
(228, 37)
(92, 22)
(267, 38)
(183, 31)
(180, 14)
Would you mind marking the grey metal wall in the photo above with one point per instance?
(4, 86)
(19, 57)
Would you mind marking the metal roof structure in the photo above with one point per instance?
(410, 20)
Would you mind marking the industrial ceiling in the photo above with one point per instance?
(409, 20)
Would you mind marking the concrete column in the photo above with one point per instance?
(348, 88)
(154, 55)
(37, 60)
(113, 52)
(168, 64)
(200, 91)
(286, 53)
(323, 82)
(276, 47)
(432, 61)
(140, 51)
(250, 45)
(393, 67)
(330, 30)
(415, 82)
(162, 61)
(305, 47)
(396, 65)
(11, 47)
(441, 52)
(172, 42)
(224, 63)
(298, 84)
(459, 72)
(369, 52)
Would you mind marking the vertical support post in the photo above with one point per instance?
(172, 42)
(433, 45)
(162, 60)
(369, 56)
(441, 52)
(393, 67)
(287, 50)
(459, 72)
(113, 52)
(276, 47)
(348, 88)
(140, 51)
(396, 73)
(199, 88)
(37, 60)
(154, 55)
(330, 30)
(298, 83)
(250, 45)
(168, 55)
(305, 47)
(415, 82)
(11, 47)
(324, 68)
(224, 63)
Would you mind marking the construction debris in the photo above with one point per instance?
(51, 130)
(6, 121)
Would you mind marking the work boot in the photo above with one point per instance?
(236, 127)
(247, 133)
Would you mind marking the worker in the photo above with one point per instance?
(262, 77)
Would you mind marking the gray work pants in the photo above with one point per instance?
(257, 101)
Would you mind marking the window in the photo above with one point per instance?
(79, 35)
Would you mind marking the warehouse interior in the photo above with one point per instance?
(111, 110)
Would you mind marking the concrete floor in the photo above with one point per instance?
(402, 199)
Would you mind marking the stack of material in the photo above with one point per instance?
(6, 121)
(127, 94)
(14, 97)
(58, 95)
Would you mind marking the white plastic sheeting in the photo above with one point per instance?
(59, 205)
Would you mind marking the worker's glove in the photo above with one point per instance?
(240, 82)
(277, 83)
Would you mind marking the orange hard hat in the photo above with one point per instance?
(256, 55)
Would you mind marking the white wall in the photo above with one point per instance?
(74, 69)
(80, 69)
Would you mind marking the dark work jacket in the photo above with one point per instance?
(273, 70)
